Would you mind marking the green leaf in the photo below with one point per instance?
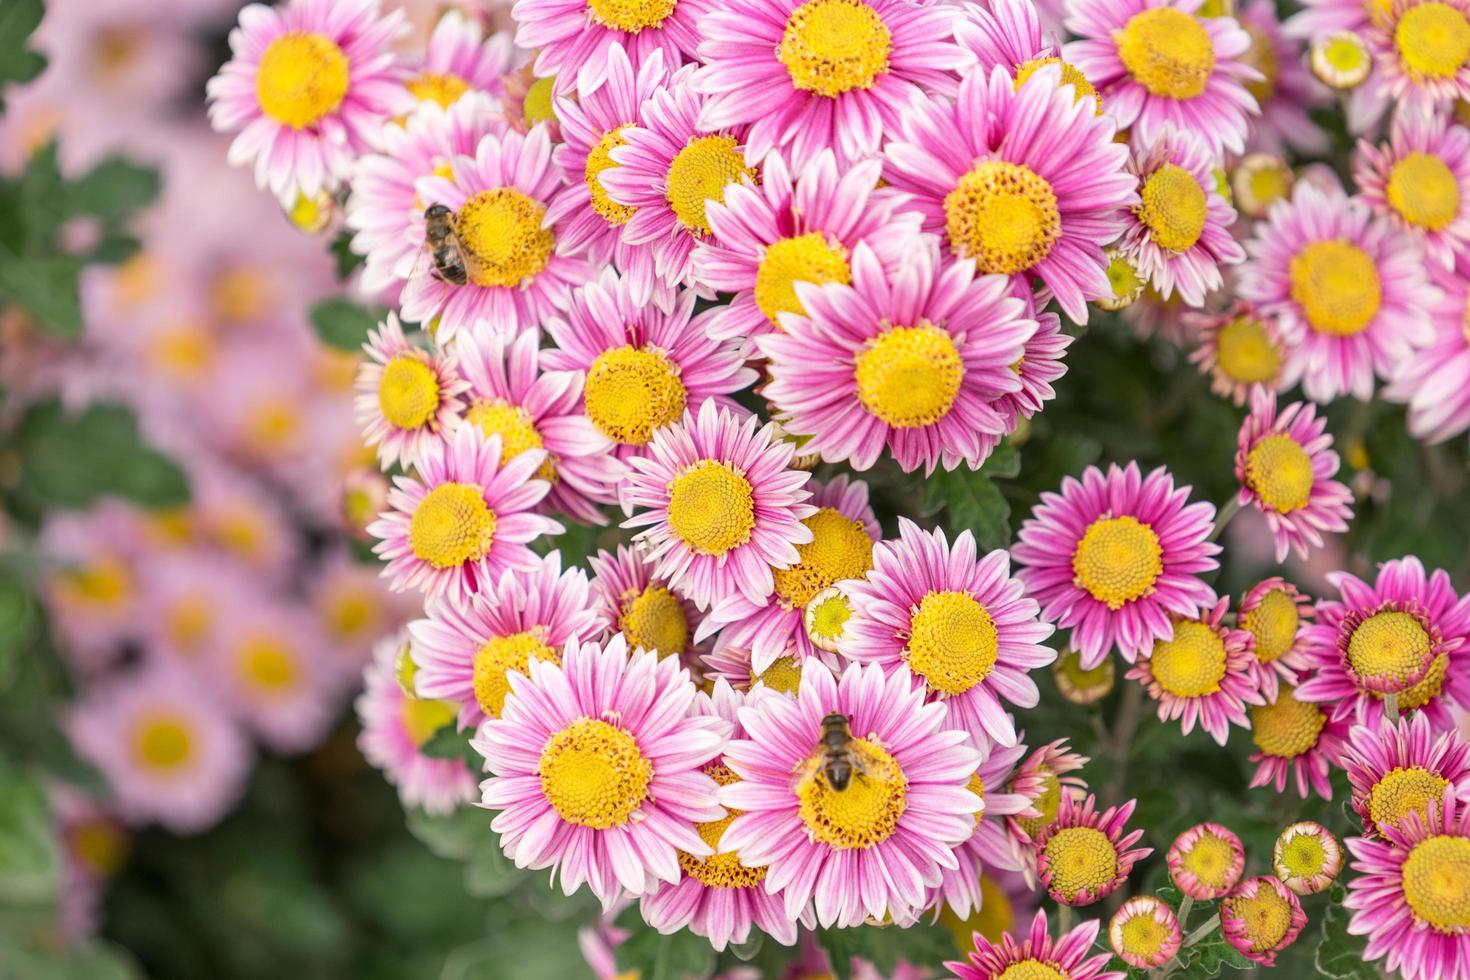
(114, 188)
(18, 20)
(46, 287)
(343, 324)
(972, 502)
(920, 944)
(1213, 953)
(1003, 462)
(347, 259)
(30, 862)
(451, 743)
(1340, 955)
(71, 459)
(456, 836)
(656, 956)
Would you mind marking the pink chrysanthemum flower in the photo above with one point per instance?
(90, 581)
(768, 238)
(804, 77)
(1403, 635)
(1241, 350)
(1318, 17)
(307, 86)
(1295, 740)
(1306, 857)
(94, 846)
(466, 651)
(961, 891)
(1113, 556)
(1178, 236)
(1009, 34)
(1286, 89)
(1421, 61)
(1349, 291)
(718, 896)
(1024, 181)
(645, 365)
(911, 360)
(1406, 768)
(1144, 932)
(1261, 917)
(1085, 855)
(721, 507)
(407, 395)
(518, 266)
(1042, 362)
(575, 37)
(464, 520)
(1420, 180)
(459, 58)
(170, 754)
(1037, 954)
(873, 848)
(735, 666)
(1431, 380)
(1285, 464)
(1043, 779)
(643, 608)
(395, 726)
(1206, 861)
(1159, 63)
(1411, 897)
(959, 622)
(596, 769)
(1276, 614)
(841, 549)
(511, 397)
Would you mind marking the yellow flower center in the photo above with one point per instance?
(840, 549)
(302, 77)
(632, 16)
(539, 105)
(188, 623)
(1267, 917)
(1303, 856)
(1273, 622)
(1167, 51)
(865, 813)
(711, 507)
(1033, 969)
(1192, 664)
(516, 430)
(1118, 560)
(1289, 727)
(723, 868)
(272, 424)
(1279, 470)
(1245, 352)
(422, 717)
(1002, 215)
(1433, 40)
(977, 786)
(1173, 208)
(1426, 690)
(826, 619)
(1343, 61)
(443, 88)
(834, 46)
(1081, 859)
(1072, 76)
(452, 525)
(268, 665)
(312, 212)
(501, 231)
(700, 172)
(502, 654)
(1389, 647)
(953, 643)
(1082, 685)
(1437, 882)
(1423, 190)
(1047, 803)
(654, 620)
(633, 391)
(1210, 860)
(1404, 791)
(163, 742)
(599, 159)
(182, 351)
(104, 582)
(100, 845)
(1143, 935)
(909, 376)
(594, 775)
(1261, 56)
(408, 395)
(805, 258)
(1336, 284)
(783, 676)
(1267, 183)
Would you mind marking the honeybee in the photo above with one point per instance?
(837, 756)
(444, 247)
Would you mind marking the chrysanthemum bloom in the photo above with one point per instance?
(1023, 181)
(1404, 635)
(1421, 61)
(1144, 932)
(1275, 614)
(1343, 61)
(962, 891)
(804, 77)
(768, 238)
(466, 651)
(1044, 779)
(1205, 861)
(843, 531)
(643, 608)
(520, 271)
(595, 767)
(1261, 917)
(465, 519)
(170, 754)
(1401, 769)
(1037, 956)
(1286, 88)
(961, 624)
(407, 395)
(459, 58)
(275, 673)
(1178, 235)
(308, 85)
(94, 844)
(1411, 897)
(1306, 857)
(717, 896)
(91, 586)
(1420, 180)
(911, 360)
(1079, 685)
(1159, 63)
(721, 507)
(1259, 180)
(575, 37)
(395, 726)
(1430, 381)
(1241, 351)
(1085, 855)
(1349, 291)
(734, 664)
(1114, 556)
(511, 397)
(1295, 740)
(1285, 464)
(645, 366)
(1009, 34)
(871, 850)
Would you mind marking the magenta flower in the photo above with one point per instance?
(1206, 861)
(575, 38)
(1295, 740)
(407, 394)
(1144, 932)
(962, 890)
(1038, 951)
(1401, 769)
(1432, 381)
(1240, 349)
(1084, 855)
(1420, 181)
(643, 608)
(1276, 614)
(1261, 917)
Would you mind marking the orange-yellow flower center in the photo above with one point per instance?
(909, 376)
(1424, 191)
(1210, 859)
(163, 742)
(1273, 622)
(422, 717)
(700, 173)
(1192, 664)
(1336, 284)
(1080, 859)
(840, 549)
(1002, 215)
(633, 391)
(632, 16)
(1174, 207)
(1279, 470)
(1389, 648)
(452, 525)
(1167, 51)
(783, 676)
(864, 814)
(654, 620)
(594, 775)
(302, 78)
(408, 394)
(1267, 917)
(445, 88)
(953, 642)
(1437, 883)
(834, 46)
(501, 234)
(1433, 40)
(804, 258)
(502, 654)
(1118, 560)
(1403, 791)
(1288, 728)
(1071, 75)
(599, 160)
(711, 507)
(1245, 351)
(516, 429)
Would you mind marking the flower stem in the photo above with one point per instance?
(1185, 907)
(1391, 707)
(1232, 506)
(1207, 927)
(1064, 919)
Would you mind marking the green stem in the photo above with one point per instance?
(1232, 506)
(1391, 706)
(1185, 907)
(1207, 927)
(1064, 919)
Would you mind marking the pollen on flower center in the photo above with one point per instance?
(1424, 191)
(711, 507)
(1273, 622)
(1433, 40)
(163, 742)
(1437, 882)
(1071, 75)
(1401, 792)
(1192, 664)
(864, 814)
(953, 643)
(1266, 914)
(803, 258)
(1337, 286)
(699, 173)
(840, 549)
(834, 46)
(1002, 215)
(632, 16)
(1174, 207)
(502, 654)
(1245, 352)
(1288, 728)
(1047, 803)
(422, 717)
(633, 391)
(1210, 860)
(408, 395)
(1144, 936)
(783, 676)
(501, 231)
(594, 774)
(452, 525)
(723, 868)
(1118, 560)
(909, 376)
(1389, 647)
(1419, 694)
(267, 665)
(1081, 859)
(1279, 470)
(517, 432)
(1167, 51)
(1304, 856)
(443, 88)
(302, 78)
(1032, 969)
(599, 159)
(654, 620)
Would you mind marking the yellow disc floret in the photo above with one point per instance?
(593, 774)
(502, 654)
(163, 742)
(1211, 859)
(1192, 664)
(1080, 860)
(633, 16)
(422, 717)
(840, 549)
(1389, 648)
(1081, 87)
(1118, 560)
(1279, 470)
(784, 675)
(516, 429)
(1002, 215)
(1288, 728)
(1246, 353)
(654, 620)
(909, 376)
(953, 643)
(452, 525)
(268, 665)
(1433, 40)
(1174, 207)
(1266, 914)
(804, 258)
(599, 160)
(1032, 969)
(864, 814)
(1273, 622)
(408, 395)
(633, 391)
(1424, 191)
(701, 172)
(502, 235)
(1437, 883)
(1336, 284)
(443, 88)
(1402, 791)
(834, 46)
(1167, 51)
(1144, 935)
(302, 78)
(711, 507)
